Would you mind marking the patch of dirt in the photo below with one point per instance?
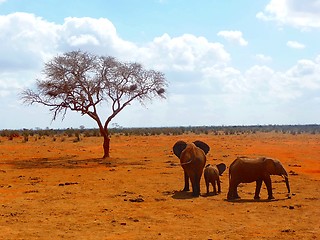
(62, 189)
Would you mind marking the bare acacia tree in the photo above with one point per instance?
(80, 81)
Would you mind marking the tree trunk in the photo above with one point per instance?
(106, 146)
(105, 134)
(106, 141)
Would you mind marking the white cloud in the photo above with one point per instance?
(27, 48)
(223, 79)
(180, 53)
(262, 84)
(26, 41)
(7, 85)
(306, 74)
(263, 58)
(12, 82)
(233, 36)
(297, 13)
(199, 71)
(184, 53)
(95, 35)
(296, 45)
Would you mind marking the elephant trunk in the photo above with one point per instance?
(287, 183)
(285, 176)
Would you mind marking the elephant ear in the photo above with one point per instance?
(202, 145)
(270, 166)
(178, 147)
(280, 170)
(221, 167)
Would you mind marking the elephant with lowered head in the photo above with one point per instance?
(246, 170)
(192, 159)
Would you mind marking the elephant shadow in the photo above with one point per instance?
(255, 200)
(182, 195)
(210, 194)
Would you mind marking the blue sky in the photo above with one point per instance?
(227, 62)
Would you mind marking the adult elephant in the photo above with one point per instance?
(246, 170)
(192, 159)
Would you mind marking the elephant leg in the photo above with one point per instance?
(258, 188)
(186, 182)
(230, 195)
(267, 181)
(219, 186)
(195, 186)
(207, 185)
(233, 193)
(214, 187)
(236, 191)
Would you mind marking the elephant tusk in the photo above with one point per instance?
(185, 163)
(284, 177)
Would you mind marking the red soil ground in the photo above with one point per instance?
(62, 189)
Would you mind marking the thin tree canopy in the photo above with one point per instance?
(80, 81)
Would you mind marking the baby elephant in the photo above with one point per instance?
(211, 175)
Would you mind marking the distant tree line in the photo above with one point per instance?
(214, 130)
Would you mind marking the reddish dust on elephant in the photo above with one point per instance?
(192, 159)
(212, 175)
(259, 170)
(54, 189)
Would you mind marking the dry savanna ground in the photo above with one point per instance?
(63, 190)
